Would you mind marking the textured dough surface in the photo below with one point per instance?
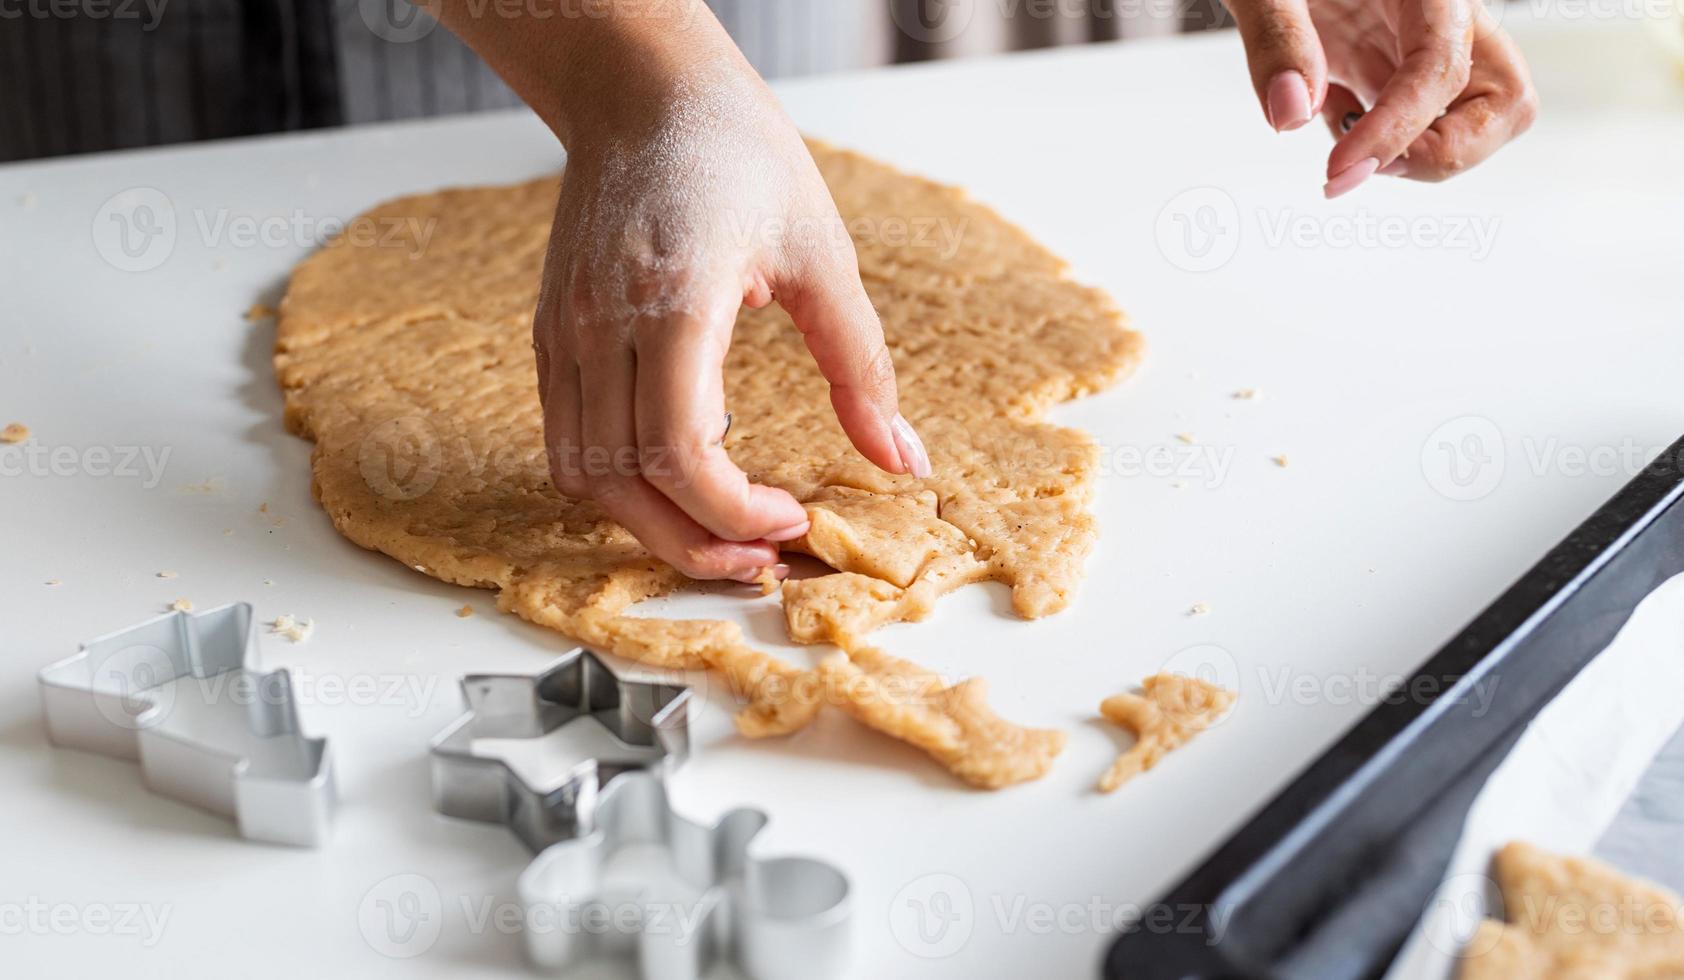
(1172, 710)
(408, 362)
(1575, 919)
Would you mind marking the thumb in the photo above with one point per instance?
(1288, 68)
(842, 331)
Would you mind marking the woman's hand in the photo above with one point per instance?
(1443, 86)
(688, 193)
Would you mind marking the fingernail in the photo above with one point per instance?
(911, 447)
(1289, 101)
(1347, 180)
(790, 533)
(1397, 168)
(751, 576)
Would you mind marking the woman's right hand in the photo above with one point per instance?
(688, 193)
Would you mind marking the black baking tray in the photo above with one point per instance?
(1331, 876)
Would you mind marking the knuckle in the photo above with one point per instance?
(1525, 111)
(607, 487)
(878, 377)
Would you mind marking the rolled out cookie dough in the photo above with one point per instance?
(1575, 919)
(409, 364)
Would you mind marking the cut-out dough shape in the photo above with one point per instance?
(1575, 919)
(1171, 711)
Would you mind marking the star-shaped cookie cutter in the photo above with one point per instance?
(117, 697)
(641, 714)
(783, 918)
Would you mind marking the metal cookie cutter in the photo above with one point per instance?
(780, 918)
(116, 698)
(579, 685)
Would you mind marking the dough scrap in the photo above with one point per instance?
(1172, 710)
(1575, 919)
(14, 432)
(408, 362)
(952, 723)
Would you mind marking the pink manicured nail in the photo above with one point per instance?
(1289, 101)
(911, 448)
(1346, 180)
(1397, 168)
(790, 533)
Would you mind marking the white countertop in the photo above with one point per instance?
(1534, 368)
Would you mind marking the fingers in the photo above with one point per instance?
(558, 393)
(680, 412)
(1341, 110)
(1436, 40)
(1498, 105)
(608, 376)
(1288, 67)
(831, 309)
(562, 436)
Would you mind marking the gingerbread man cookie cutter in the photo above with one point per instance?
(781, 918)
(118, 697)
(643, 715)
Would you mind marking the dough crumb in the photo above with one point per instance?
(268, 581)
(55, 581)
(295, 629)
(1574, 917)
(1248, 394)
(228, 532)
(1172, 710)
(212, 485)
(182, 605)
(1279, 460)
(167, 575)
(263, 508)
(260, 311)
(1186, 437)
(1199, 609)
(464, 612)
(14, 433)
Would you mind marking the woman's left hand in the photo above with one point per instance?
(1411, 88)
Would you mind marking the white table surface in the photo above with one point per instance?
(1397, 376)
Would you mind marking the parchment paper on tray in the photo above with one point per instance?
(1574, 770)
